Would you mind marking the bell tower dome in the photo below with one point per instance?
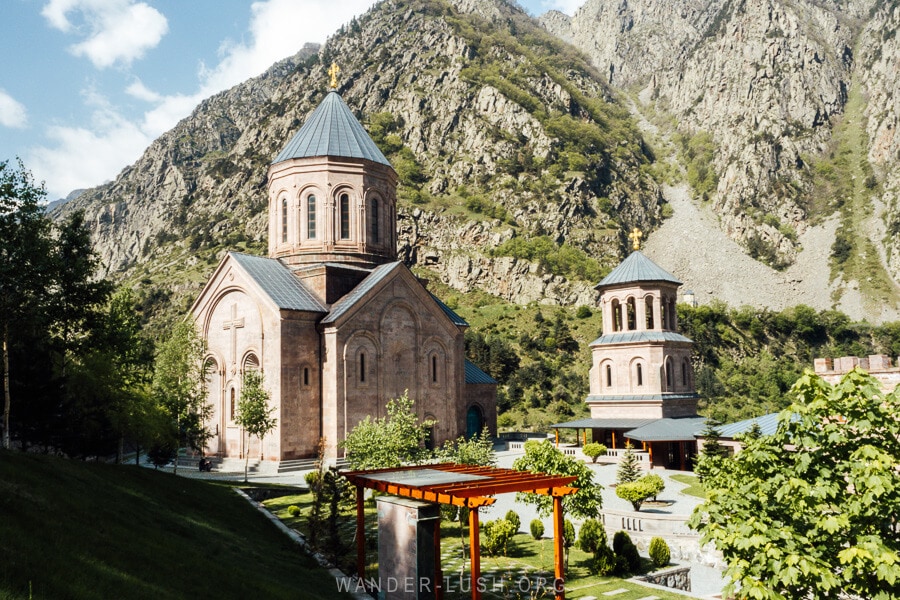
(332, 194)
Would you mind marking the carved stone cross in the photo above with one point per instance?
(234, 324)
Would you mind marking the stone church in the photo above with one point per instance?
(336, 324)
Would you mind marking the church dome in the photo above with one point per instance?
(637, 268)
(332, 130)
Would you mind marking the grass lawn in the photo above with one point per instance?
(694, 487)
(527, 568)
(77, 530)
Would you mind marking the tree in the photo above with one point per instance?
(179, 383)
(593, 450)
(25, 265)
(811, 511)
(635, 492)
(390, 441)
(712, 453)
(629, 468)
(478, 450)
(253, 412)
(543, 457)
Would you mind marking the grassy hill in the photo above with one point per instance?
(76, 530)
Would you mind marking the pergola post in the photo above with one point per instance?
(475, 552)
(360, 534)
(558, 549)
(438, 574)
(557, 437)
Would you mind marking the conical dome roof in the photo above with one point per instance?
(635, 268)
(332, 130)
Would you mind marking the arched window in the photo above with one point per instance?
(640, 374)
(616, 322)
(664, 314)
(608, 376)
(345, 216)
(649, 312)
(684, 374)
(374, 220)
(251, 363)
(305, 375)
(632, 314)
(311, 217)
(362, 367)
(284, 220)
(233, 408)
(434, 369)
(670, 384)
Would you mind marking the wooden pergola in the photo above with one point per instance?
(465, 486)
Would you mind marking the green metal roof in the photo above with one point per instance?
(332, 130)
(603, 424)
(635, 268)
(624, 337)
(475, 375)
(277, 281)
(669, 430)
(347, 302)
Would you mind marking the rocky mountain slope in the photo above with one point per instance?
(501, 135)
(792, 104)
(522, 168)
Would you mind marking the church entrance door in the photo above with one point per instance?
(474, 421)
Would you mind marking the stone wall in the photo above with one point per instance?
(878, 366)
(678, 578)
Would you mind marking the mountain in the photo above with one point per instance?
(783, 113)
(527, 152)
(60, 201)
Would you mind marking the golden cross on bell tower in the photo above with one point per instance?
(635, 237)
(333, 73)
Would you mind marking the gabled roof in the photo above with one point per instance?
(346, 303)
(476, 375)
(635, 268)
(669, 430)
(332, 130)
(623, 337)
(767, 423)
(457, 320)
(277, 281)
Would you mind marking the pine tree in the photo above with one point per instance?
(629, 467)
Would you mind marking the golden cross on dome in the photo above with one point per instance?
(333, 72)
(635, 237)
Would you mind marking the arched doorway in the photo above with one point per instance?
(474, 421)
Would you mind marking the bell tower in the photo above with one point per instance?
(640, 366)
(332, 193)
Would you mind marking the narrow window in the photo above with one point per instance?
(375, 231)
(649, 313)
(616, 323)
(233, 404)
(345, 217)
(434, 369)
(684, 374)
(608, 376)
(305, 375)
(311, 217)
(668, 369)
(632, 314)
(664, 316)
(362, 368)
(284, 220)
(640, 375)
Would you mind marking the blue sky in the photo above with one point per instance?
(86, 85)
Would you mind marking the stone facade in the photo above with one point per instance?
(878, 366)
(337, 325)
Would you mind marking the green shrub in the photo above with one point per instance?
(497, 537)
(591, 536)
(659, 552)
(593, 450)
(312, 479)
(635, 492)
(568, 534)
(537, 529)
(628, 560)
(604, 561)
(655, 483)
(583, 312)
(514, 519)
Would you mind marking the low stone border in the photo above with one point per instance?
(674, 578)
(299, 539)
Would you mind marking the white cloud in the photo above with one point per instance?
(81, 157)
(12, 112)
(119, 30)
